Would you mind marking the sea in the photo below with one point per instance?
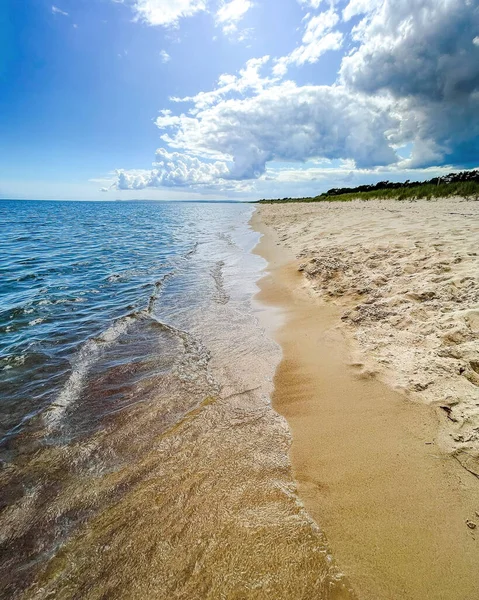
(140, 454)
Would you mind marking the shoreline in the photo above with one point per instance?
(368, 463)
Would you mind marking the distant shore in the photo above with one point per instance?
(380, 384)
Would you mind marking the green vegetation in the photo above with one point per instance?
(464, 184)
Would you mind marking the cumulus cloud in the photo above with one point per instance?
(285, 122)
(230, 14)
(426, 51)
(424, 56)
(317, 39)
(173, 169)
(231, 139)
(166, 12)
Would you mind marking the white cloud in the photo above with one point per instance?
(311, 3)
(58, 11)
(165, 57)
(231, 133)
(249, 80)
(173, 169)
(284, 122)
(166, 12)
(230, 14)
(317, 39)
(360, 7)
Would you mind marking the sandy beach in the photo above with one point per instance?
(379, 384)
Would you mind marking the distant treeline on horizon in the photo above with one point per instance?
(465, 183)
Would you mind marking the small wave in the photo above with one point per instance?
(16, 312)
(193, 362)
(226, 237)
(88, 354)
(220, 296)
(47, 302)
(193, 251)
(28, 277)
(128, 274)
(156, 291)
(37, 321)
(12, 361)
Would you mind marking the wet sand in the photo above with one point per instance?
(392, 504)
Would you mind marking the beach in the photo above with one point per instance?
(379, 384)
(215, 402)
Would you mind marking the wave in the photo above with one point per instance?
(193, 251)
(86, 357)
(157, 290)
(226, 237)
(91, 351)
(220, 296)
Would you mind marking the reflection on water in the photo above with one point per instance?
(145, 460)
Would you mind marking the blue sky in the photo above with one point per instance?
(174, 99)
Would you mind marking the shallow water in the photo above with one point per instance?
(140, 453)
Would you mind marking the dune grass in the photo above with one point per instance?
(426, 190)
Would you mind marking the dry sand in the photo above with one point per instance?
(379, 383)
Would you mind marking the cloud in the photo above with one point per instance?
(410, 79)
(317, 39)
(58, 11)
(311, 3)
(360, 7)
(165, 57)
(230, 14)
(166, 13)
(249, 80)
(422, 54)
(286, 122)
(427, 53)
(174, 169)
(231, 133)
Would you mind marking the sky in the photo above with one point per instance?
(233, 99)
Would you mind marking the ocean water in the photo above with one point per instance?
(140, 455)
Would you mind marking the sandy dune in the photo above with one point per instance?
(406, 277)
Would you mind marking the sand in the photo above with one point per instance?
(378, 383)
